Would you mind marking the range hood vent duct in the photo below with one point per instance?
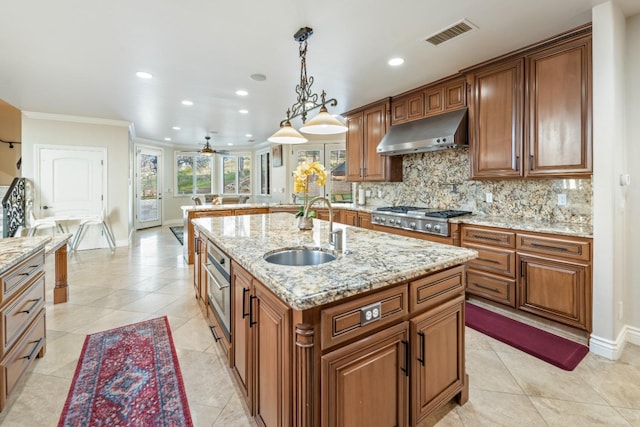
(440, 132)
(455, 30)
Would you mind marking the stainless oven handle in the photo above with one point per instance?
(213, 276)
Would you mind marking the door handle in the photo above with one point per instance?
(45, 207)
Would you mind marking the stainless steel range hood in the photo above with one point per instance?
(433, 133)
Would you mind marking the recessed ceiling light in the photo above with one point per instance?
(229, 143)
(144, 75)
(176, 128)
(394, 62)
(187, 102)
(167, 139)
(243, 111)
(242, 92)
(248, 135)
(258, 77)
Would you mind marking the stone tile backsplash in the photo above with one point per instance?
(441, 180)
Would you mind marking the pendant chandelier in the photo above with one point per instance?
(322, 124)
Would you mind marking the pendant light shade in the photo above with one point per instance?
(287, 135)
(324, 124)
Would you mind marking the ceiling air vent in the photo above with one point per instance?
(451, 32)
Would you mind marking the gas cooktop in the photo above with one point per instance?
(423, 212)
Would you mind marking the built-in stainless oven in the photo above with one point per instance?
(218, 268)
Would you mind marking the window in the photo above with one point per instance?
(236, 174)
(193, 174)
(264, 174)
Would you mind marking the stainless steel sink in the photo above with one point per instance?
(300, 257)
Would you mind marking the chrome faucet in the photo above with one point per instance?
(335, 237)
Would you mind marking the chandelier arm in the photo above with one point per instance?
(330, 102)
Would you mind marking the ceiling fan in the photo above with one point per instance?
(208, 151)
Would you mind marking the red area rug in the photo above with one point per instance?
(558, 351)
(128, 376)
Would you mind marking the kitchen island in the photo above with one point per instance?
(375, 337)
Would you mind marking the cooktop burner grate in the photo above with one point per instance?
(397, 209)
(449, 213)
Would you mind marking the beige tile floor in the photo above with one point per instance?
(149, 279)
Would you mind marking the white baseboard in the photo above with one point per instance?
(612, 350)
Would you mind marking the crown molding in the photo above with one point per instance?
(75, 119)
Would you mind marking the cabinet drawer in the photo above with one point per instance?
(14, 280)
(16, 362)
(433, 290)
(251, 211)
(492, 287)
(345, 321)
(503, 239)
(556, 246)
(494, 260)
(20, 312)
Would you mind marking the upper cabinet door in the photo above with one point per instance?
(559, 110)
(375, 126)
(354, 141)
(495, 117)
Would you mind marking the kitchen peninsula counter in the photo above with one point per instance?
(14, 250)
(369, 259)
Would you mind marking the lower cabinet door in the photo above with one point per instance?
(366, 383)
(437, 338)
(271, 324)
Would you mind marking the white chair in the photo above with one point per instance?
(95, 220)
(36, 224)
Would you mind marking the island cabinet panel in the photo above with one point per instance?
(437, 370)
(272, 363)
(559, 110)
(366, 127)
(242, 348)
(366, 383)
(495, 120)
(347, 321)
(437, 288)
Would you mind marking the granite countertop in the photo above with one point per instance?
(369, 259)
(14, 250)
(521, 224)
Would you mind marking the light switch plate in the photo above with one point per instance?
(489, 198)
(562, 199)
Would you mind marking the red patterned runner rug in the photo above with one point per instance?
(128, 376)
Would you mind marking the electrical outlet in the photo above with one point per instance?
(562, 199)
(488, 198)
(370, 313)
(379, 194)
(367, 193)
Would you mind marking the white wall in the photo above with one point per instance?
(39, 128)
(632, 291)
(611, 214)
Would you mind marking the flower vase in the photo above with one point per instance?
(305, 223)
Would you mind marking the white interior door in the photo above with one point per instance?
(71, 181)
(148, 187)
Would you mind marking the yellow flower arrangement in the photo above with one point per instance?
(304, 171)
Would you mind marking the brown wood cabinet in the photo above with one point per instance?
(555, 278)
(366, 127)
(22, 321)
(496, 111)
(366, 383)
(559, 110)
(493, 274)
(530, 111)
(438, 371)
(356, 219)
(261, 354)
(436, 98)
(549, 276)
